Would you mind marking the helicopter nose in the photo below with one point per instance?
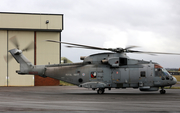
(174, 81)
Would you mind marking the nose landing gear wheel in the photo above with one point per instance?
(100, 91)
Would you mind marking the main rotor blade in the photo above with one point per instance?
(29, 47)
(74, 47)
(14, 41)
(81, 46)
(146, 52)
(130, 47)
(118, 50)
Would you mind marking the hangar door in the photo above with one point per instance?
(3, 64)
(9, 76)
(46, 53)
(24, 38)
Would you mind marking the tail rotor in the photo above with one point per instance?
(15, 42)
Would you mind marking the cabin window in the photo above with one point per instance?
(143, 74)
(93, 74)
(122, 61)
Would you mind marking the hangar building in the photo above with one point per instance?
(29, 27)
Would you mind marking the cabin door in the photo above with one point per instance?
(116, 75)
(150, 74)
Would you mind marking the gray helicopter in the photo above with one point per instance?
(102, 71)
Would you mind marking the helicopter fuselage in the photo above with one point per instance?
(115, 73)
(104, 70)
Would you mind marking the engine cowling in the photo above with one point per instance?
(115, 61)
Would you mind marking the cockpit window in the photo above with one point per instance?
(161, 72)
(158, 72)
(165, 73)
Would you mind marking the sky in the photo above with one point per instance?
(152, 25)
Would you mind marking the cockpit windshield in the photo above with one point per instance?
(165, 72)
(160, 71)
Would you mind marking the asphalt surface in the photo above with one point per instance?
(71, 99)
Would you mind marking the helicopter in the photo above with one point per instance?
(113, 69)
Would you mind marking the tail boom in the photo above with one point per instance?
(26, 67)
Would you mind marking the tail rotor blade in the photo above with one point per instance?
(29, 47)
(14, 41)
(8, 57)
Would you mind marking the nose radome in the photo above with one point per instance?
(174, 80)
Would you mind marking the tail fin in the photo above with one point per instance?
(25, 65)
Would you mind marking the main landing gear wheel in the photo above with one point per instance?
(100, 91)
(162, 91)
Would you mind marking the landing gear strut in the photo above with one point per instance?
(100, 91)
(162, 91)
